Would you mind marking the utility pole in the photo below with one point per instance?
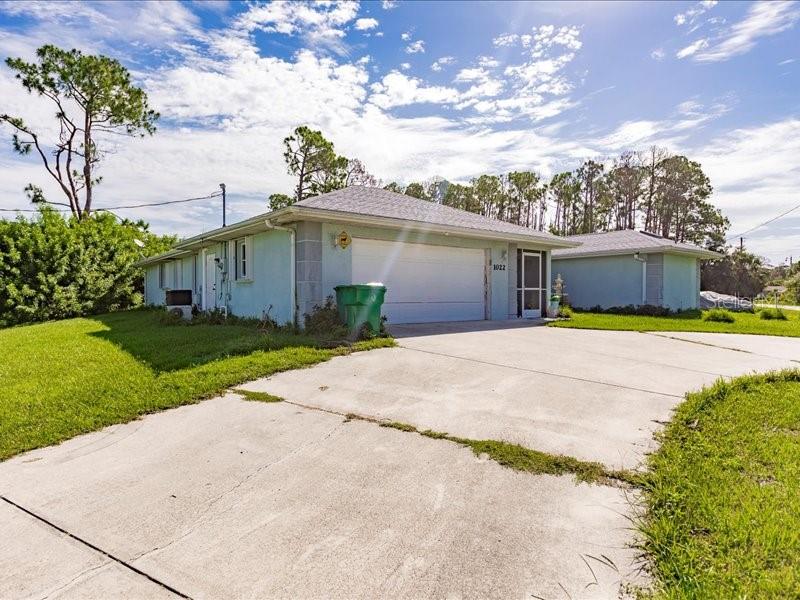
(222, 187)
(741, 239)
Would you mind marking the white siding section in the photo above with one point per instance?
(425, 283)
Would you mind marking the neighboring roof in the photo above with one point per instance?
(376, 207)
(628, 241)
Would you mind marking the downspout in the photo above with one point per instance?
(292, 267)
(637, 257)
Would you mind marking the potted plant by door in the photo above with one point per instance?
(555, 298)
(553, 306)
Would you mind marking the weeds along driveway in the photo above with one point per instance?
(595, 395)
(237, 499)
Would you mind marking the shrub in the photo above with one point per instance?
(719, 315)
(52, 267)
(643, 310)
(565, 312)
(325, 320)
(772, 314)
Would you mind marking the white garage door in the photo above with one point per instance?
(424, 283)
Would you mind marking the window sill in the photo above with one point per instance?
(244, 280)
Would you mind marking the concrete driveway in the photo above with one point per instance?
(236, 499)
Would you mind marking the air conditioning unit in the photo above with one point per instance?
(180, 302)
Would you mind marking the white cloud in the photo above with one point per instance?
(442, 62)
(389, 4)
(405, 66)
(405, 36)
(322, 24)
(692, 48)
(366, 23)
(756, 175)
(763, 19)
(488, 61)
(416, 47)
(788, 61)
(506, 39)
(658, 54)
(691, 15)
(472, 74)
(398, 89)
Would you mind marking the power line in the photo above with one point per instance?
(213, 195)
(111, 208)
(767, 222)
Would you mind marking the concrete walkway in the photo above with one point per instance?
(233, 499)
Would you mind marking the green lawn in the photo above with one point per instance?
(723, 493)
(691, 321)
(63, 378)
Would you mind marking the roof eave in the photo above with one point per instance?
(292, 214)
(699, 253)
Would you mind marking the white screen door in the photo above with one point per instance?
(210, 279)
(531, 284)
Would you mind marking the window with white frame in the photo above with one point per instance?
(169, 275)
(244, 258)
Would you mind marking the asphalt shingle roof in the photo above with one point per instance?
(377, 202)
(618, 242)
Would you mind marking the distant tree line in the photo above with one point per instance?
(653, 190)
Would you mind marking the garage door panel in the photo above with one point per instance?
(424, 282)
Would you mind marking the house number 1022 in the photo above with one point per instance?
(498, 267)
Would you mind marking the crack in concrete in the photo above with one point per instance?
(74, 579)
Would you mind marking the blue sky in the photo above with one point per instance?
(418, 89)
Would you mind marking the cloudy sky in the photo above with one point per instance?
(420, 89)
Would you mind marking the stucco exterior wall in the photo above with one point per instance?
(153, 295)
(308, 258)
(681, 290)
(604, 280)
(269, 284)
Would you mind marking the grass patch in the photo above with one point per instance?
(723, 493)
(524, 459)
(258, 396)
(772, 314)
(64, 378)
(718, 315)
(748, 323)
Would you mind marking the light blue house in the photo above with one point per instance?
(621, 268)
(438, 263)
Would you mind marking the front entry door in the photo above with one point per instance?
(210, 290)
(531, 284)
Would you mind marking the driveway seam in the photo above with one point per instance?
(88, 544)
(540, 372)
(709, 344)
